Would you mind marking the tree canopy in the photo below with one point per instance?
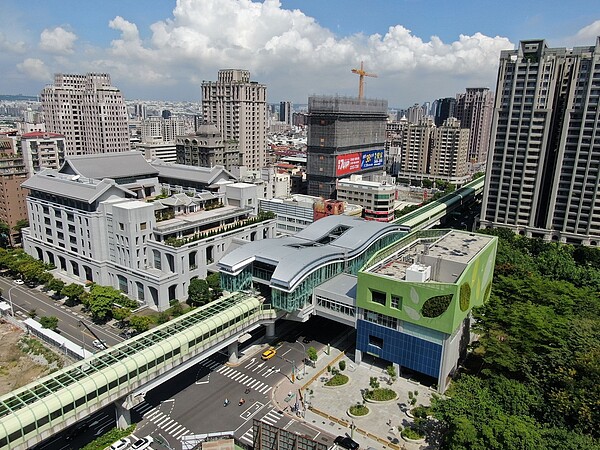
(533, 378)
(198, 292)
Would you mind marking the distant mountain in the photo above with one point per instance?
(19, 97)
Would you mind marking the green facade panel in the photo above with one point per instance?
(414, 301)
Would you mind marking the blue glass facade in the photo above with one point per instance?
(397, 347)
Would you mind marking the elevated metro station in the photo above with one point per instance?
(408, 294)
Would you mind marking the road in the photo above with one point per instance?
(24, 299)
(170, 412)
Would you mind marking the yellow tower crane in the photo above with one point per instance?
(361, 79)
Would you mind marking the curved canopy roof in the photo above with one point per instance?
(293, 257)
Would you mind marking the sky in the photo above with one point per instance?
(164, 49)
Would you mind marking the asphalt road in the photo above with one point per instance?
(24, 299)
(193, 402)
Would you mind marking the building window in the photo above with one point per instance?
(396, 302)
(376, 342)
(378, 297)
(143, 226)
(121, 226)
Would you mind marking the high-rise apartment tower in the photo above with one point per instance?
(88, 111)
(542, 172)
(474, 109)
(238, 107)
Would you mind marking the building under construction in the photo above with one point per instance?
(346, 135)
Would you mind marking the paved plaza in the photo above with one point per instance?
(325, 408)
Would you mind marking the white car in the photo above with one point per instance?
(142, 443)
(99, 344)
(19, 282)
(121, 444)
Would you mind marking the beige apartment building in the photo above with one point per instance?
(238, 107)
(88, 111)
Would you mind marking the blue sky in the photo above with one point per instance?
(159, 49)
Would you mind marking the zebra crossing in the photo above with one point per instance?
(161, 420)
(247, 380)
(272, 417)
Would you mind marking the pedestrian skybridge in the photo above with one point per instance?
(40, 409)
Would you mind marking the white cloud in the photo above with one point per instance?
(587, 35)
(7, 45)
(34, 69)
(205, 35)
(57, 41)
(285, 49)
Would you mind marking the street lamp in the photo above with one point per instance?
(303, 358)
(12, 310)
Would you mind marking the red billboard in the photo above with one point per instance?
(346, 164)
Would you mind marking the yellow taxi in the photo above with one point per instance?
(268, 354)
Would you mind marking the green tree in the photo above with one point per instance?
(121, 314)
(311, 352)
(140, 323)
(391, 371)
(214, 283)
(55, 285)
(73, 293)
(50, 322)
(176, 308)
(198, 292)
(101, 301)
(4, 234)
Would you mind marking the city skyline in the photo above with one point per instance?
(420, 50)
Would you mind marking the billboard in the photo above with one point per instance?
(354, 162)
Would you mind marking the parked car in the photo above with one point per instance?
(121, 444)
(99, 344)
(268, 354)
(142, 443)
(346, 442)
(19, 282)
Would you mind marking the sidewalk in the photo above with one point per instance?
(326, 408)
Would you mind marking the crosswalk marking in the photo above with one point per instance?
(244, 379)
(272, 417)
(160, 419)
(247, 436)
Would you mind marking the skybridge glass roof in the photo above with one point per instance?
(59, 380)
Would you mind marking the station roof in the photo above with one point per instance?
(330, 238)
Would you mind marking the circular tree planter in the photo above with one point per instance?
(414, 441)
(338, 380)
(358, 416)
(385, 394)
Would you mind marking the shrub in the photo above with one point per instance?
(373, 382)
(108, 438)
(420, 412)
(342, 365)
(359, 410)
(380, 394)
(411, 433)
(337, 380)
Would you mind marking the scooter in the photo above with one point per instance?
(226, 402)
(247, 390)
(242, 401)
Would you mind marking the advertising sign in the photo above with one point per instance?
(346, 164)
(354, 162)
(372, 158)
